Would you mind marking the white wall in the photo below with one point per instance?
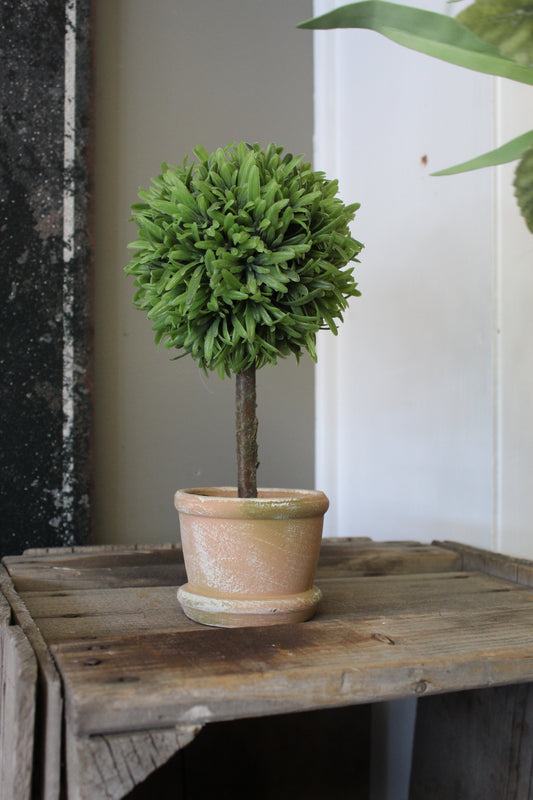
(514, 365)
(171, 75)
(424, 425)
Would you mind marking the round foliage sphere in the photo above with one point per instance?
(240, 257)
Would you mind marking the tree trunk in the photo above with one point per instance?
(246, 425)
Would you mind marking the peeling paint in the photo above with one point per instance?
(33, 37)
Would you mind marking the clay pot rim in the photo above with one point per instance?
(222, 501)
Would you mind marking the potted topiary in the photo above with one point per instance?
(240, 260)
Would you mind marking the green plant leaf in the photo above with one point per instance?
(426, 32)
(193, 285)
(511, 151)
(508, 24)
(523, 184)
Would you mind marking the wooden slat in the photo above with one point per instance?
(5, 611)
(49, 698)
(358, 649)
(18, 677)
(397, 619)
(88, 614)
(108, 767)
(345, 557)
(96, 569)
(100, 548)
(109, 567)
(475, 745)
(518, 570)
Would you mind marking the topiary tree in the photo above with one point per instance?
(238, 262)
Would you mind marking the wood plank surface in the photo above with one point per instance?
(18, 678)
(518, 570)
(108, 767)
(96, 569)
(397, 619)
(111, 567)
(374, 638)
(345, 557)
(49, 701)
(475, 745)
(5, 611)
(70, 616)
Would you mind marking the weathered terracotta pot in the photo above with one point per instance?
(250, 561)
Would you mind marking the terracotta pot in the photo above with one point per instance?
(250, 561)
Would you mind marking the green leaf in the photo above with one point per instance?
(193, 285)
(164, 206)
(510, 151)
(181, 192)
(523, 184)
(508, 24)
(201, 153)
(152, 232)
(210, 339)
(426, 32)
(238, 329)
(253, 184)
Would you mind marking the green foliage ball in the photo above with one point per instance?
(239, 258)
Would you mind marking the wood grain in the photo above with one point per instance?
(88, 614)
(345, 557)
(373, 638)
(112, 567)
(49, 700)
(475, 745)
(96, 569)
(397, 619)
(517, 570)
(18, 677)
(5, 611)
(108, 767)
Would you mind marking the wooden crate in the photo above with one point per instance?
(139, 680)
(18, 680)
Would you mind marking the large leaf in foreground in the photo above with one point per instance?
(426, 32)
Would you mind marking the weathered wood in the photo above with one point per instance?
(5, 611)
(378, 638)
(88, 614)
(475, 745)
(49, 703)
(108, 567)
(397, 619)
(18, 677)
(70, 616)
(108, 767)
(101, 548)
(345, 557)
(518, 570)
(96, 569)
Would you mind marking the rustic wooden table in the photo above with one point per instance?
(124, 679)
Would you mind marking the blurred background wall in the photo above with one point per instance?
(424, 424)
(170, 75)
